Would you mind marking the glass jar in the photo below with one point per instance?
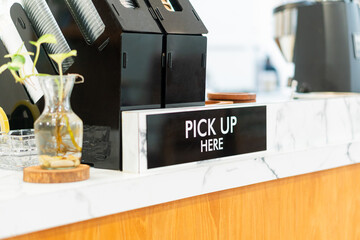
(58, 130)
(18, 149)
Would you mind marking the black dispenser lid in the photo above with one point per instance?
(137, 19)
(184, 20)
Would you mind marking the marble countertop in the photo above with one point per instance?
(307, 136)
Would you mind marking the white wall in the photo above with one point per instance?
(240, 37)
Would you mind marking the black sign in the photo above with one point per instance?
(184, 137)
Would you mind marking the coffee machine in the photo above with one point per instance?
(322, 39)
(133, 54)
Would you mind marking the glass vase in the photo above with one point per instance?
(58, 130)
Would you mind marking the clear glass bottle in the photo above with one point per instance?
(58, 130)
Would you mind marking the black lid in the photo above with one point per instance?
(184, 20)
(137, 19)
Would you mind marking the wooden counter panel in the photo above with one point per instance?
(323, 205)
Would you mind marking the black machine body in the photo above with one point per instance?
(325, 47)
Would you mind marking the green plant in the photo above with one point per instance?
(16, 67)
(18, 59)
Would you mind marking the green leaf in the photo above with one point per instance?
(15, 66)
(59, 58)
(17, 58)
(47, 38)
(17, 62)
(3, 68)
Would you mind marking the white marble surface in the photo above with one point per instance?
(291, 126)
(321, 140)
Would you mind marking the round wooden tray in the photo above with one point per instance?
(36, 174)
(244, 101)
(232, 96)
(213, 102)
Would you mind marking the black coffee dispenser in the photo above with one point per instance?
(133, 55)
(322, 39)
(122, 70)
(184, 51)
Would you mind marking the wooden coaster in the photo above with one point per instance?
(212, 102)
(245, 101)
(38, 175)
(232, 96)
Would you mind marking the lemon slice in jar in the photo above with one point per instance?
(4, 122)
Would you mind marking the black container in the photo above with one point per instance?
(122, 71)
(184, 48)
(185, 70)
